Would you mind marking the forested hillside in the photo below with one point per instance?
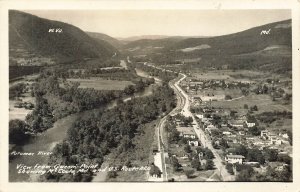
(31, 36)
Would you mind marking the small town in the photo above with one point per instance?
(185, 103)
(244, 142)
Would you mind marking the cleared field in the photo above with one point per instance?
(229, 75)
(281, 124)
(101, 84)
(234, 93)
(211, 75)
(20, 113)
(263, 102)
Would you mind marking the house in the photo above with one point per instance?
(210, 129)
(186, 132)
(236, 123)
(234, 159)
(284, 135)
(200, 116)
(196, 99)
(241, 132)
(274, 140)
(211, 126)
(193, 143)
(250, 123)
(252, 163)
(226, 133)
(264, 134)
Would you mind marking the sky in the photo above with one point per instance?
(127, 23)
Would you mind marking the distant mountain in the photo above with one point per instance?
(135, 38)
(148, 46)
(29, 37)
(243, 42)
(252, 48)
(114, 42)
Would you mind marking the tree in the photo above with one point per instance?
(176, 165)
(228, 97)
(129, 90)
(255, 108)
(112, 174)
(241, 150)
(207, 153)
(290, 134)
(189, 173)
(209, 164)
(17, 129)
(271, 155)
(229, 168)
(196, 164)
(245, 173)
(255, 131)
(233, 113)
(187, 148)
(255, 155)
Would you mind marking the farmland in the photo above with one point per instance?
(101, 84)
(25, 97)
(263, 102)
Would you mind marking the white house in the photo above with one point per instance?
(193, 143)
(226, 133)
(264, 134)
(234, 159)
(200, 116)
(274, 140)
(250, 124)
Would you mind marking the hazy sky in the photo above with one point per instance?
(125, 23)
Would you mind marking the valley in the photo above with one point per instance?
(150, 108)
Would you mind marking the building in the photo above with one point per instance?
(274, 140)
(236, 123)
(226, 133)
(264, 134)
(193, 143)
(196, 99)
(186, 132)
(200, 116)
(250, 124)
(234, 159)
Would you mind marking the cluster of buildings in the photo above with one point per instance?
(235, 132)
(192, 86)
(186, 132)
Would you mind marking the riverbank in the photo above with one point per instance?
(47, 140)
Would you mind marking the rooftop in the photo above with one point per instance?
(235, 156)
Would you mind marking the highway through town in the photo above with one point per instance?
(183, 105)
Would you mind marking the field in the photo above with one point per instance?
(101, 84)
(19, 113)
(263, 102)
(230, 75)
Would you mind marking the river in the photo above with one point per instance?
(48, 139)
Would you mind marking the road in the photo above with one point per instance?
(184, 104)
(161, 143)
(201, 135)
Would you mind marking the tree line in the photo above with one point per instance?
(93, 137)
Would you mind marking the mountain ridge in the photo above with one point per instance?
(33, 36)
